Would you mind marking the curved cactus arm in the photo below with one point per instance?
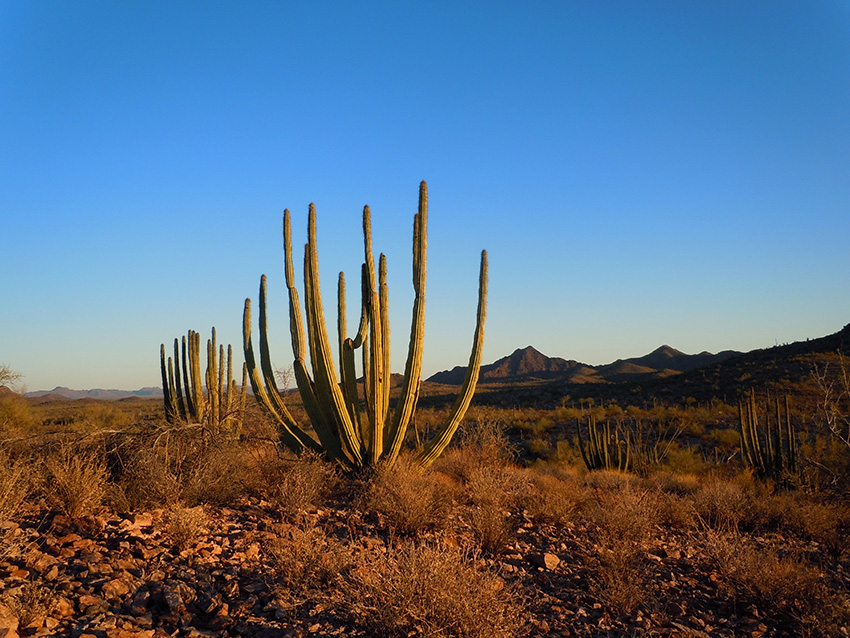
(291, 435)
(324, 376)
(230, 386)
(384, 300)
(375, 389)
(406, 405)
(167, 372)
(190, 405)
(181, 404)
(439, 443)
(213, 387)
(195, 376)
(347, 370)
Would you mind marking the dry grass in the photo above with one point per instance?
(15, 480)
(623, 521)
(434, 592)
(298, 483)
(409, 499)
(75, 480)
(184, 526)
(494, 494)
(30, 602)
(553, 497)
(784, 585)
(303, 558)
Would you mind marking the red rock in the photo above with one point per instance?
(115, 589)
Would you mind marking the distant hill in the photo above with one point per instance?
(668, 359)
(6, 392)
(68, 393)
(529, 364)
(525, 363)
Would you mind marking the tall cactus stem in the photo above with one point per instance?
(439, 443)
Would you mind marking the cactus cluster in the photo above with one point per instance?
(222, 408)
(772, 450)
(606, 449)
(352, 431)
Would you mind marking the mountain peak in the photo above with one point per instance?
(522, 363)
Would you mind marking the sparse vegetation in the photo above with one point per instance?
(107, 506)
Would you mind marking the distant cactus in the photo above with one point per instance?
(605, 450)
(772, 450)
(332, 403)
(183, 394)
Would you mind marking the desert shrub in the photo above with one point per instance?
(182, 465)
(684, 460)
(304, 557)
(29, 602)
(435, 592)
(103, 415)
(720, 504)
(607, 480)
(183, 526)
(785, 586)
(217, 477)
(15, 475)
(622, 522)
(675, 483)
(409, 499)
(494, 494)
(16, 413)
(298, 483)
(553, 497)
(480, 444)
(75, 479)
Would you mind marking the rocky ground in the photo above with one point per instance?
(135, 576)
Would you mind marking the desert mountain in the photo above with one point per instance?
(97, 393)
(665, 359)
(527, 364)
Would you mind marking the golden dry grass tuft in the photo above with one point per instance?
(75, 480)
(184, 526)
(424, 590)
(410, 500)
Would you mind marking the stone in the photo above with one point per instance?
(115, 589)
(546, 560)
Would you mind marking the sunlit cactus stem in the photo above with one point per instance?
(604, 450)
(217, 411)
(333, 402)
(771, 450)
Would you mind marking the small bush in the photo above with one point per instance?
(553, 497)
(720, 504)
(435, 592)
(14, 484)
(183, 526)
(786, 586)
(29, 602)
(16, 413)
(494, 492)
(75, 480)
(298, 483)
(411, 500)
(480, 444)
(304, 558)
(623, 521)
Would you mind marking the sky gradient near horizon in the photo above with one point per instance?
(640, 173)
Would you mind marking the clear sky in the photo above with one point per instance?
(640, 173)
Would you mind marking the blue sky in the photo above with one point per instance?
(639, 172)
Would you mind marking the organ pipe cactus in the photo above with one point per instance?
(604, 450)
(352, 437)
(772, 450)
(222, 408)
